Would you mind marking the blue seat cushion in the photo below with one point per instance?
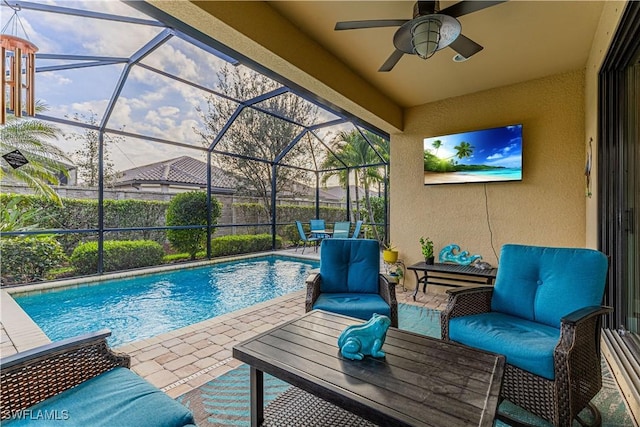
(525, 344)
(117, 397)
(360, 306)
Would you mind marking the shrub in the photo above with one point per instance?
(290, 233)
(80, 214)
(242, 244)
(26, 259)
(190, 209)
(118, 255)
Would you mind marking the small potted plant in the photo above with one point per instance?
(389, 254)
(426, 245)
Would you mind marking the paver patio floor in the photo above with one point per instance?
(186, 358)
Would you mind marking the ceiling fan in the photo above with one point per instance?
(430, 30)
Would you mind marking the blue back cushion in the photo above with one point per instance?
(544, 284)
(349, 266)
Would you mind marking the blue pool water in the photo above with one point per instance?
(140, 307)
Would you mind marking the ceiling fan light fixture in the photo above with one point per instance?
(425, 36)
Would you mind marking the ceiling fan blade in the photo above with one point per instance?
(391, 61)
(465, 46)
(466, 7)
(378, 23)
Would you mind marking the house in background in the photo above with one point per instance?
(176, 175)
(340, 193)
(185, 173)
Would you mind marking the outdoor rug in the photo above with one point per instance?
(224, 401)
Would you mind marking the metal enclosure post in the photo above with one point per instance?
(209, 221)
(274, 179)
(100, 201)
(348, 195)
(317, 194)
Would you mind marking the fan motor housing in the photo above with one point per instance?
(425, 8)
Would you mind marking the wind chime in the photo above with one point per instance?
(18, 69)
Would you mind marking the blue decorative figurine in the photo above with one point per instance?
(357, 341)
(447, 255)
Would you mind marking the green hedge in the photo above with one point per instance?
(27, 259)
(242, 244)
(79, 214)
(118, 255)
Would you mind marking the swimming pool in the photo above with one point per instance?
(140, 307)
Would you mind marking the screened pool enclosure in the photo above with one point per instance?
(144, 108)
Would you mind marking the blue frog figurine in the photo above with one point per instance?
(357, 341)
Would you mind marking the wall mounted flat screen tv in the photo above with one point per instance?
(487, 155)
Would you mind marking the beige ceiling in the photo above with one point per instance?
(522, 40)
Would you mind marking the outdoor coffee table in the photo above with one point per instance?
(422, 381)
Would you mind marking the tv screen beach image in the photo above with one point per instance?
(488, 155)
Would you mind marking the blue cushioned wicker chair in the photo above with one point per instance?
(81, 382)
(349, 281)
(544, 315)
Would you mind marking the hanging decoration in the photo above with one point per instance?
(587, 169)
(18, 69)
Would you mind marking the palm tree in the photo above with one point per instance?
(354, 150)
(464, 149)
(30, 136)
(342, 144)
(437, 144)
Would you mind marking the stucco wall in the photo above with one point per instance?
(546, 208)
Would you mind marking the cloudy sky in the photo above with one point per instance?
(150, 104)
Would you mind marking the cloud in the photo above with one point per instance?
(514, 161)
(150, 104)
(504, 152)
(168, 111)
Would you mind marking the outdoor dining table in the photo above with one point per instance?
(326, 233)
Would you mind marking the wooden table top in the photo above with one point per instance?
(422, 381)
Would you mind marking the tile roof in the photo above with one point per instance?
(181, 170)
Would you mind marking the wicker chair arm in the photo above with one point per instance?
(582, 324)
(584, 314)
(577, 357)
(387, 290)
(313, 291)
(32, 376)
(463, 302)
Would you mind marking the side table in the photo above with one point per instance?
(423, 269)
